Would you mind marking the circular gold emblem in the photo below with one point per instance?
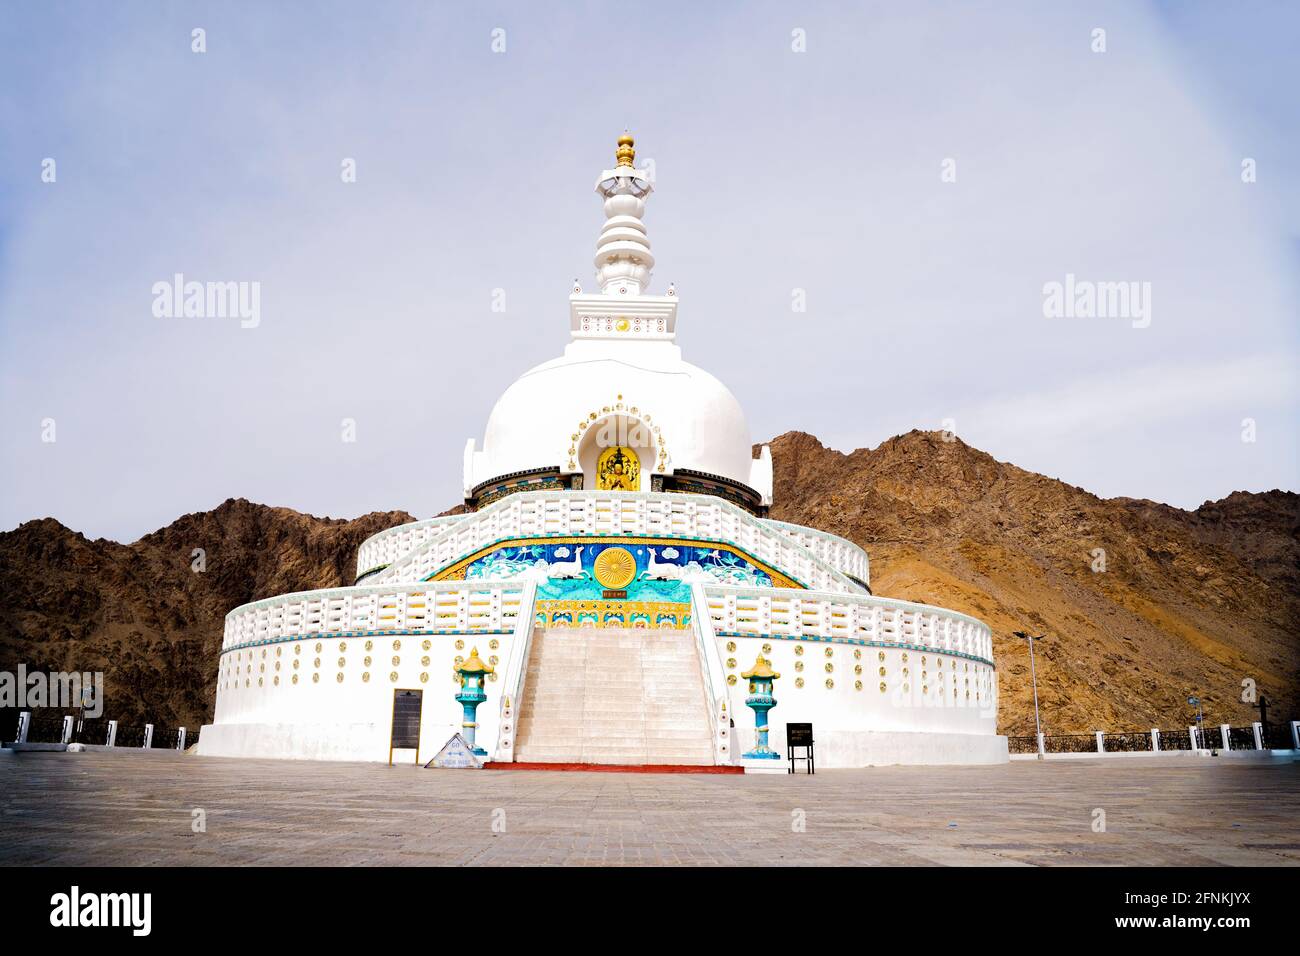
(615, 568)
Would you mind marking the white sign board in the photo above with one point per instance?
(456, 754)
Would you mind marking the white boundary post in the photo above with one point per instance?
(24, 724)
(111, 739)
(1101, 743)
(1155, 739)
(1225, 732)
(1196, 744)
(180, 738)
(1041, 751)
(66, 736)
(148, 737)
(1259, 734)
(1295, 734)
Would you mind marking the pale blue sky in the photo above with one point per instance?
(776, 170)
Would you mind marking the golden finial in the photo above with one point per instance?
(625, 152)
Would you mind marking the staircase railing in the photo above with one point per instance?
(515, 676)
(715, 681)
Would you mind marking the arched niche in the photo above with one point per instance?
(631, 436)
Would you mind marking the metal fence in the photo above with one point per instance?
(1134, 742)
(93, 731)
(129, 735)
(48, 729)
(1207, 738)
(1175, 740)
(1241, 738)
(166, 738)
(45, 730)
(8, 725)
(1070, 743)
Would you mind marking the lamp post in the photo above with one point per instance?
(1200, 721)
(760, 698)
(472, 673)
(87, 699)
(1033, 673)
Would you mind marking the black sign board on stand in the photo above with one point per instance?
(800, 737)
(407, 705)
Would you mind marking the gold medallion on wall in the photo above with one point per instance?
(615, 568)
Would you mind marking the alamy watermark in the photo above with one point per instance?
(129, 910)
(1085, 299)
(179, 299)
(59, 689)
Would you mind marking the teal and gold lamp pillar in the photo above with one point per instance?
(760, 698)
(473, 673)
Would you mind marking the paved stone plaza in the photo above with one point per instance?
(136, 809)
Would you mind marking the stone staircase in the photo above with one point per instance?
(611, 695)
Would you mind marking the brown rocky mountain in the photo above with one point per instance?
(1188, 602)
(143, 615)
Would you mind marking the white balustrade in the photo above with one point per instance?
(387, 546)
(786, 612)
(430, 606)
(574, 514)
(836, 551)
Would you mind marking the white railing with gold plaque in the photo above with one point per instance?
(376, 609)
(543, 514)
(789, 613)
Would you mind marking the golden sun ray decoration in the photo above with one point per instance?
(615, 568)
(618, 469)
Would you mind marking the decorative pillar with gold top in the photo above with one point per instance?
(473, 673)
(760, 698)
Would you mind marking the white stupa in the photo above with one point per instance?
(622, 352)
(615, 592)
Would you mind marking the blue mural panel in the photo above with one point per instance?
(664, 572)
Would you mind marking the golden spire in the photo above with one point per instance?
(625, 152)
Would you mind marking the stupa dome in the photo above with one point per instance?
(677, 417)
